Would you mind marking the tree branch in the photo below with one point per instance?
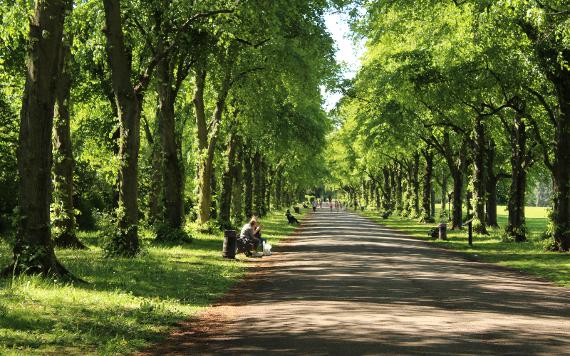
(542, 100)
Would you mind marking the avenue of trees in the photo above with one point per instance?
(154, 113)
(464, 99)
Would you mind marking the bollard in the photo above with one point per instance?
(230, 244)
(297, 210)
(443, 231)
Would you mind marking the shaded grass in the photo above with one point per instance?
(128, 303)
(529, 256)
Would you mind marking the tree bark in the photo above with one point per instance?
(257, 184)
(399, 191)
(491, 187)
(456, 162)
(427, 186)
(172, 168)
(248, 185)
(34, 248)
(561, 177)
(237, 186)
(279, 188)
(444, 179)
(457, 205)
(387, 201)
(268, 186)
(63, 164)
(154, 206)
(365, 192)
(479, 177)
(208, 138)
(126, 242)
(516, 228)
(214, 192)
(416, 186)
(227, 182)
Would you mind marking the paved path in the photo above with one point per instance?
(347, 286)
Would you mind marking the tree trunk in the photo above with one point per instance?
(155, 189)
(202, 131)
(416, 186)
(444, 179)
(387, 203)
(126, 241)
(257, 184)
(237, 186)
(263, 187)
(492, 180)
(561, 177)
(457, 207)
(516, 227)
(207, 140)
(227, 183)
(279, 189)
(399, 194)
(248, 185)
(172, 169)
(377, 195)
(432, 203)
(214, 192)
(63, 164)
(427, 187)
(479, 178)
(154, 207)
(268, 186)
(554, 58)
(33, 248)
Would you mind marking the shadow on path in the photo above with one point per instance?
(346, 285)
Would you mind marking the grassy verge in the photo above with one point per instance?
(128, 303)
(529, 256)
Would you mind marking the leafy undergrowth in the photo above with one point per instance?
(128, 303)
(529, 256)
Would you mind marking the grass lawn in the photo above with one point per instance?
(528, 256)
(128, 303)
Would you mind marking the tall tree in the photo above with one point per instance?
(63, 163)
(128, 99)
(34, 248)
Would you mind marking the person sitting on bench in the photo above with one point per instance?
(291, 218)
(251, 232)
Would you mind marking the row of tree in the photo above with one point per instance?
(227, 96)
(461, 92)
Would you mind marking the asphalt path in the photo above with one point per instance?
(347, 286)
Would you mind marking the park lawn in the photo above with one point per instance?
(127, 305)
(529, 256)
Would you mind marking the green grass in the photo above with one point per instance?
(528, 256)
(127, 305)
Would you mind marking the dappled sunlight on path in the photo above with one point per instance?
(346, 285)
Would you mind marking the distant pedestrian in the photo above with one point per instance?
(314, 203)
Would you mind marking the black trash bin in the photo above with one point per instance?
(443, 231)
(230, 244)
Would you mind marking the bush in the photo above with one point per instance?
(113, 239)
(164, 233)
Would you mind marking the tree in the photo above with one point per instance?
(33, 249)
(63, 164)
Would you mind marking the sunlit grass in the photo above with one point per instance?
(528, 256)
(127, 304)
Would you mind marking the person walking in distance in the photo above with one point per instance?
(314, 203)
